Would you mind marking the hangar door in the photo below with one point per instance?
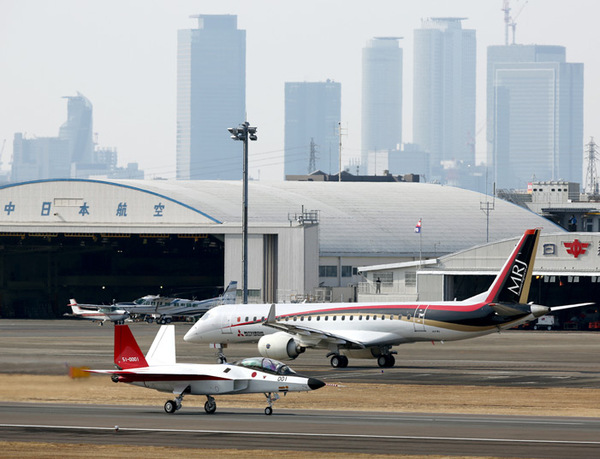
(39, 273)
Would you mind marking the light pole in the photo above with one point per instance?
(244, 132)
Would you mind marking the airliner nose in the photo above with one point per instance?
(315, 384)
(190, 335)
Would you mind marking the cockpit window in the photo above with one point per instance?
(206, 315)
(267, 365)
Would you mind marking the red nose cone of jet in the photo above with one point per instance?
(315, 384)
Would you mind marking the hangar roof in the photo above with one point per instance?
(355, 219)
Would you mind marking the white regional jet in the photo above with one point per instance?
(159, 370)
(97, 313)
(369, 330)
(163, 309)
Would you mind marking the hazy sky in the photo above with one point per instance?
(121, 54)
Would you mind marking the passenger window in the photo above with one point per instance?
(334, 317)
(246, 319)
(360, 317)
(318, 317)
(367, 318)
(343, 317)
(351, 317)
(309, 318)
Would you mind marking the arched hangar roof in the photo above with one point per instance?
(355, 219)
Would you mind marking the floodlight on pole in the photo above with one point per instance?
(244, 132)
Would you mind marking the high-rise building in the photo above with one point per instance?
(535, 115)
(211, 97)
(444, 92)
(78, 129)
(73, 154)
(312, 116)
(381, 98)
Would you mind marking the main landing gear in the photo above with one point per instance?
(386, 360)
(338, 360)
(173, 405)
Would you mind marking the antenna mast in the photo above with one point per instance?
(312, 160)
(506, 9)
(591, 176)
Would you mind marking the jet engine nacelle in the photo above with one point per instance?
(279, 346)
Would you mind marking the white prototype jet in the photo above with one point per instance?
(159, 370)
(370, 330)
(163, 309)
(97, 313)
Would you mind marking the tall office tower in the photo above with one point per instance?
(444, 91)
(211, 97)
(78, 129)
(312, 113)
(381, 97)
(535, 115)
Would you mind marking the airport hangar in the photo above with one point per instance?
(99, 240)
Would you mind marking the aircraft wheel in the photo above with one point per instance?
(210, 407)
(336, 361)
(149, 320)
(171, 406)
(268, 411)
(339, 361)
(386, 361)
(168, 320)
(391, 361)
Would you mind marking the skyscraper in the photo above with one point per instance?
(535, 115)
(211, 97)
(444, 91)
(78, 129)
(381, 97)
(312, 114)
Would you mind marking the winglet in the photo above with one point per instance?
(127, 351)
(271, 317)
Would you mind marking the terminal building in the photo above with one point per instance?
(103, 241)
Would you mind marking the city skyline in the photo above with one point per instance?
(124, 59)
(211, 93)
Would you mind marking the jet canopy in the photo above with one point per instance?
(267, 365)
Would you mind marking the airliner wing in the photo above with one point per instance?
(358, 339)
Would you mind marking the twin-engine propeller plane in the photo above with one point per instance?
(159, 370)
(163, 309)
(370, 330)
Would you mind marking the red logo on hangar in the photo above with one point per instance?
(576, 247)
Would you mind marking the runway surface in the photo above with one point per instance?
(373, 433)
(514, 358)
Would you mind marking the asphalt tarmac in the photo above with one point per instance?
(322, 431)
(513, 358)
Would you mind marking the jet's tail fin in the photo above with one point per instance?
(127, 351)
(514, 280)
(230, 293)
